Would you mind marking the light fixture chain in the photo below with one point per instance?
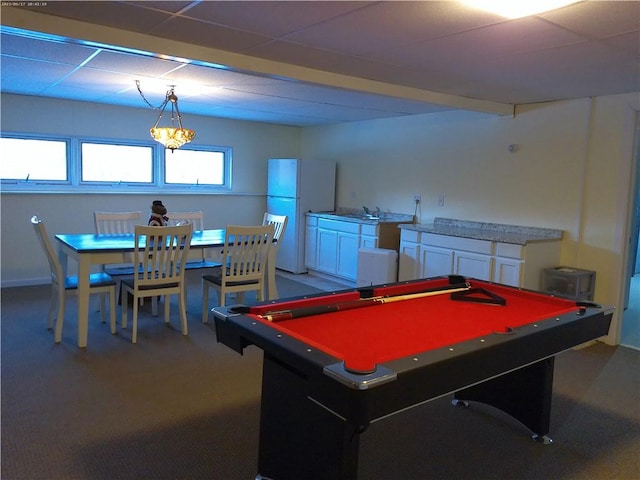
(145, 98)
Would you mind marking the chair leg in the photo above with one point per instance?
(205, 301)
(183, 310)
(102, 307)
(112, 310)
(124, 297)
(52, 307)
(134, 323)
(60, 318)
(167, 308)
(222, 296)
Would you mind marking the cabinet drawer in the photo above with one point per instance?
(458, 243)
(369, 230)
(409, 235)
(337, 226)
(509, 250)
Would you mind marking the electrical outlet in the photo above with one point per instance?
(441, 200)
(417, 197)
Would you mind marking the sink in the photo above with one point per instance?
(360, 216)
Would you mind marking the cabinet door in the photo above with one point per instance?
(368, 242)
(472, 265)
(347, 265)
(327, 259)
(311, 247)
(435, 261)
(508, 271)
(408, 261)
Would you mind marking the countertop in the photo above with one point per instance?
(358, 216)
(494, 232)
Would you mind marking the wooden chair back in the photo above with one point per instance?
(113, 223)
(195, 219)
(57, 276)
(279, 223)
(159, 253)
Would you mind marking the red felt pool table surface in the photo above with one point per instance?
(364, 337)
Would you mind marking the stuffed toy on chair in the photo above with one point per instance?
(158, 215)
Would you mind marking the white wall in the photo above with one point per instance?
(571, 171)
(253, 143)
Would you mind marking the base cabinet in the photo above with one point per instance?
(435, 261)
(472, 265)
(508, 271)
(424, 255)
(331, 246)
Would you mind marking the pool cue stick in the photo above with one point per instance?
(363, 302)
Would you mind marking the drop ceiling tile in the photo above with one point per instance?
(273, 19)
(40, 49)
(203, 33)
(30, 77)
(114, 14)
(384, 25)
(477, 46)
(600, 19)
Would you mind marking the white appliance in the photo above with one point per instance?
(376, 266)
(295, 187)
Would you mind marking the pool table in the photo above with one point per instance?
(338, 362)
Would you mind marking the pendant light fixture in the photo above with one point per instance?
(175, 135)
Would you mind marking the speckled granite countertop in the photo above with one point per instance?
(494, 232)
(358, 216)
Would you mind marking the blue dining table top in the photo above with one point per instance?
(93, 242)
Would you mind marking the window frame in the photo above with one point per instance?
(7, 184)
(74, 184)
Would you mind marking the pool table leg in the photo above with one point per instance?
(525, 394)
(299, 439)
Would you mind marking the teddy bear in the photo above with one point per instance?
(158, 215)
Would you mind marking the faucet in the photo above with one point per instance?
(366, 210)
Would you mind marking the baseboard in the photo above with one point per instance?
(25, 282)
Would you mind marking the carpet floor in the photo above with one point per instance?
(176, 407)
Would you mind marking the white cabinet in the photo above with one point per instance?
(347, 264)
(435, 261)
(508, 271)
(336, 248)
(327, 256)
(408, 261)
(473, 265)
(369, 236)
(311, 243)
(331, 245)
(424, 254)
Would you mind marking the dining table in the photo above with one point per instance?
(89, 249)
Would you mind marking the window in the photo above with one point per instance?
(103, 162)
(32, 163)
(194, 167)
(27, 159)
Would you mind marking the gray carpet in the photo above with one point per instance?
(174, 407)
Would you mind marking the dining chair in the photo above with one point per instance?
(118, 223)
(159, 253)
(245, 254)
(114, 223)
(100, 283)
(280, 225)
(196, 220)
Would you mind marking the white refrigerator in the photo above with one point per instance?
(295, 187)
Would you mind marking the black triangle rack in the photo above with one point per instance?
(472, 295)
